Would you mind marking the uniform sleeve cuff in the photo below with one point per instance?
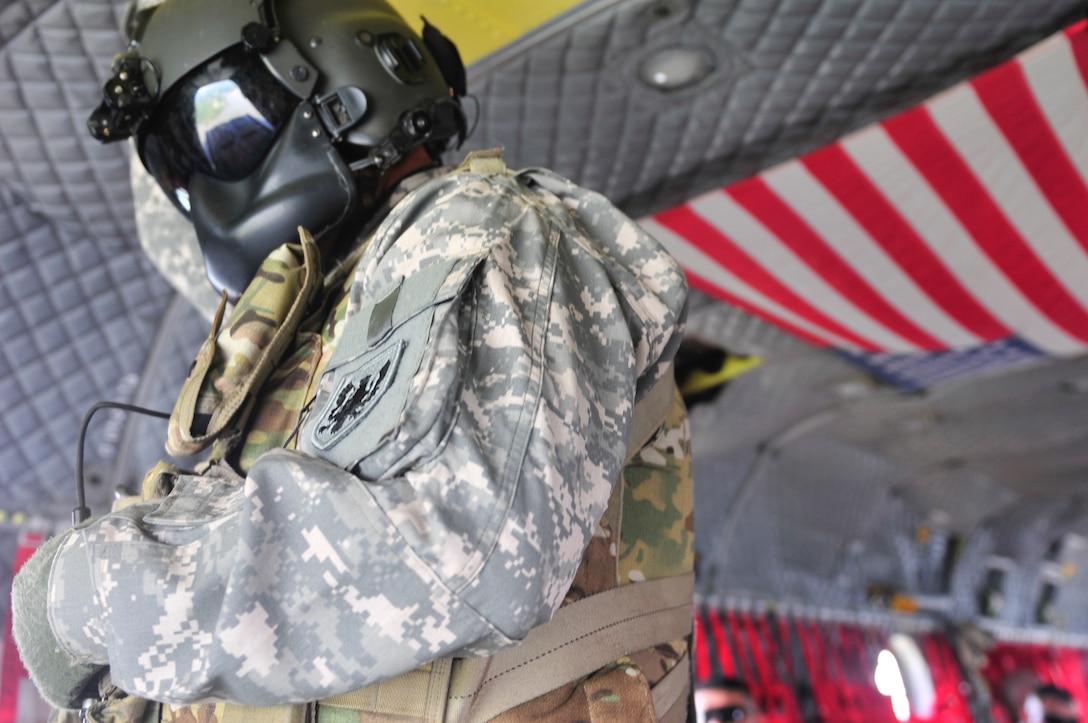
(60, 677)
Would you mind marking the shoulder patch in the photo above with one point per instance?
(356, 396)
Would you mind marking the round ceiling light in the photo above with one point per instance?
(672, 69)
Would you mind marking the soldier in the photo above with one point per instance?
(1057, 705)
(449, 474)
(724, 700)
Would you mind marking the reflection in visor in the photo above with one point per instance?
(230, 128)
(219, 120)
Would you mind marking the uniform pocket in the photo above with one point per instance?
(389, 393)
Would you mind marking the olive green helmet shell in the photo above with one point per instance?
(177, 36)
(318, 47)
(350, 43)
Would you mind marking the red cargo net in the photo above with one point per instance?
(802, 669)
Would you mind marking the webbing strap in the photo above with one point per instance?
(670, 695)
(418, 695)
(578, 640)
(650, 411)
(488, 162)
(271, 714)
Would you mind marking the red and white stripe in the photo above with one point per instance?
(958, 222)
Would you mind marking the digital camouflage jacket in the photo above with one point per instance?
(470, 398)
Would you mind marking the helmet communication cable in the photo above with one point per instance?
(81, 512)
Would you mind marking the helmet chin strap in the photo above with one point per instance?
(417, 160)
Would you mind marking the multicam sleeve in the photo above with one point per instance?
(462, 447)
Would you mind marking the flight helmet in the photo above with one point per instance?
(258, 116)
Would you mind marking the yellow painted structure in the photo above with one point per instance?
(480, 27)
(732, 367)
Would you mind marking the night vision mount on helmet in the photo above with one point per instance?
(258, 117)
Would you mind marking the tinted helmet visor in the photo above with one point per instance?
(219, 120)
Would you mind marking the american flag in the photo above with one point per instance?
(960, 222)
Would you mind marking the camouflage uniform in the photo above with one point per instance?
(447, 487)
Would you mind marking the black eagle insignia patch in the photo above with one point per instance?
(356, 396)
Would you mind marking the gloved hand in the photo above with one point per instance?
(59, 676)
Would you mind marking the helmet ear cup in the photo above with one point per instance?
(447, 56)
(426, 124)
